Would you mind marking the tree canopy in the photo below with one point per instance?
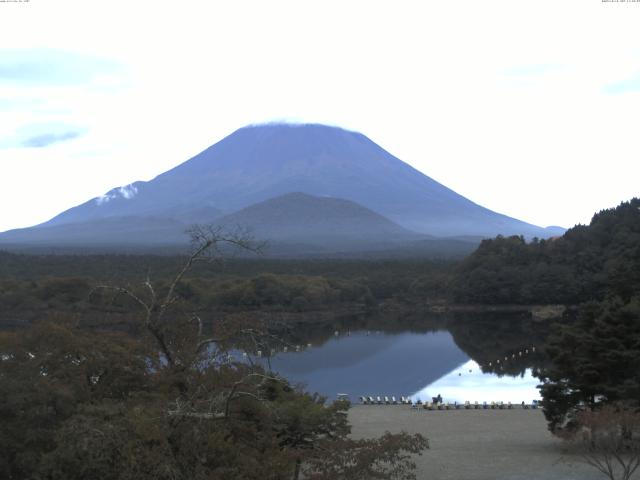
(594, 361)
(594, 350)
(167, 401)
(586, 263)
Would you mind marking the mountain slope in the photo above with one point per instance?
(104, 232)
(298, 217)
(257, 163)
(294, 224)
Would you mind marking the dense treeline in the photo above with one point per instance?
(593, 361)
(391, 274)
(38, 287)
(593, 352)
(298, 292)
(586, 263)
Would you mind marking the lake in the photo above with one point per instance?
(416, 364)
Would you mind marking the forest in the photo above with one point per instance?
(157, 395)
(117, 366)
(594, 350)
(38, 287)
(589, 262)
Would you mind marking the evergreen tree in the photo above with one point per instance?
(594, 361)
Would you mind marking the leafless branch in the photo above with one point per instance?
(610, 439)
(127, 292)
(206, 240)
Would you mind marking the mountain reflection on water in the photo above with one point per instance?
(469, 383)
(421, 364)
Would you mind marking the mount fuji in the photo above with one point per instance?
(307, 184)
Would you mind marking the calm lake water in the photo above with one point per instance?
(420, 365)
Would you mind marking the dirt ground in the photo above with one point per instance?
(477, 444)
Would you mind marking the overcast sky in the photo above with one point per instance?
(530, 108)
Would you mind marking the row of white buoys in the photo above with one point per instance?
(499, 361)
(297, 348)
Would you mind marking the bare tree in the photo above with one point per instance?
(609, 440)
(208, 243)
(180, 337)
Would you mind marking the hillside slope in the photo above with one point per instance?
(301, 217)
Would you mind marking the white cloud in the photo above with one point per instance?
(106, 198)
(128, 191)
